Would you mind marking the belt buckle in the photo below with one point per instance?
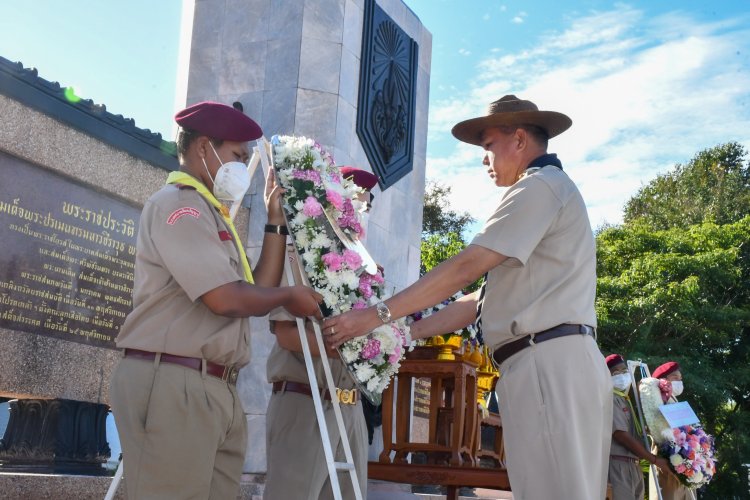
(531, 339)
(230, 374)
(347, 396)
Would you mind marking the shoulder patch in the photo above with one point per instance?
(180, 212)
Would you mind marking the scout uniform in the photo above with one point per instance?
(625, 474)
(181, 425)
(297, 466)
(554, 391)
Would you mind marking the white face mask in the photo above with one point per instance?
(232, 180)
(621, 382)
(677, 387)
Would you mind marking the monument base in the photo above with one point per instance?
(55, 436)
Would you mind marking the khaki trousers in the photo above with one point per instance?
(626, 479)
(183, 434)
(297, 467)
(555, 401)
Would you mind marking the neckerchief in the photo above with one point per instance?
(179, 177)
(539, 162)
(632, 411)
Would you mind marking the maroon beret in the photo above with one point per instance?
(614, 360)
(361, 178)
(218, 121)
(665, 369)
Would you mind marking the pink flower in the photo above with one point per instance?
(352, 260)
(335, 178)
(360, 304)
(335, 199)
(395, 356)
(332, 261)
(665, 386)
(371, 349)
(311, 207)
(378, 278)
(307, 175)
(681, 468)
(364, 286)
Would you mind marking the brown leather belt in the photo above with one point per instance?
(225, 373)
(504, 352)
(624, 458)
(346, 396)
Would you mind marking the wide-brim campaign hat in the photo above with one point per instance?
(219, 121)
(510, 110)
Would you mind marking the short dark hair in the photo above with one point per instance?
(540, 136)
(186, 136)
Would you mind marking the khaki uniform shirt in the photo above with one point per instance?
(184, 250)
(622, 420)
(549, 278)
(290, 366)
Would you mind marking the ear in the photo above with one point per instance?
(201, 146)
(521, 139)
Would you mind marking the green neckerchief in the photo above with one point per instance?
(632, 411)
(178, 177)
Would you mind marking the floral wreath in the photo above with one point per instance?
(469, 334)
(689, 450)
(317, 197)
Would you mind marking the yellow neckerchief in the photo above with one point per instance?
(632, 411)
(179, 177)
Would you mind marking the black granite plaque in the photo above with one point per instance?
(67, 256)
(387, 95)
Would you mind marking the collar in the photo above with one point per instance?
(544, 160)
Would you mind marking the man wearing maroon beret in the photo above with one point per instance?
(181, 425)
(671, 488)
(625, 473)
(294, 450)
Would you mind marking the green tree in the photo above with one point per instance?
(714, 185)
(674, 283)
(682, 295)
(442, 228)
(437, 216)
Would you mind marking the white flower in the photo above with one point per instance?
(348, 354)
(321, 241)
(374, 383)
(676, 460)
(363, 372)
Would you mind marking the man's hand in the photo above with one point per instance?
(303, 302)
(663, 465)
(355, 323)
(272, 199)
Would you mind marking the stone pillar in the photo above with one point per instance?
(55, 436)
(295, 67)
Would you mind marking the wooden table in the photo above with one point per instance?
(453, 427)
(453, 390)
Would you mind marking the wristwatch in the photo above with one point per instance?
(383, 312)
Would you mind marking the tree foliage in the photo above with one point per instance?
(438, 218)
(674, 284)
(714, 185)
(442, 229)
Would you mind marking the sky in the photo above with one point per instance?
(647, 84)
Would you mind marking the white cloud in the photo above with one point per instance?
(486, 17)
(464, 52)
(518, 19)
(643, 93)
